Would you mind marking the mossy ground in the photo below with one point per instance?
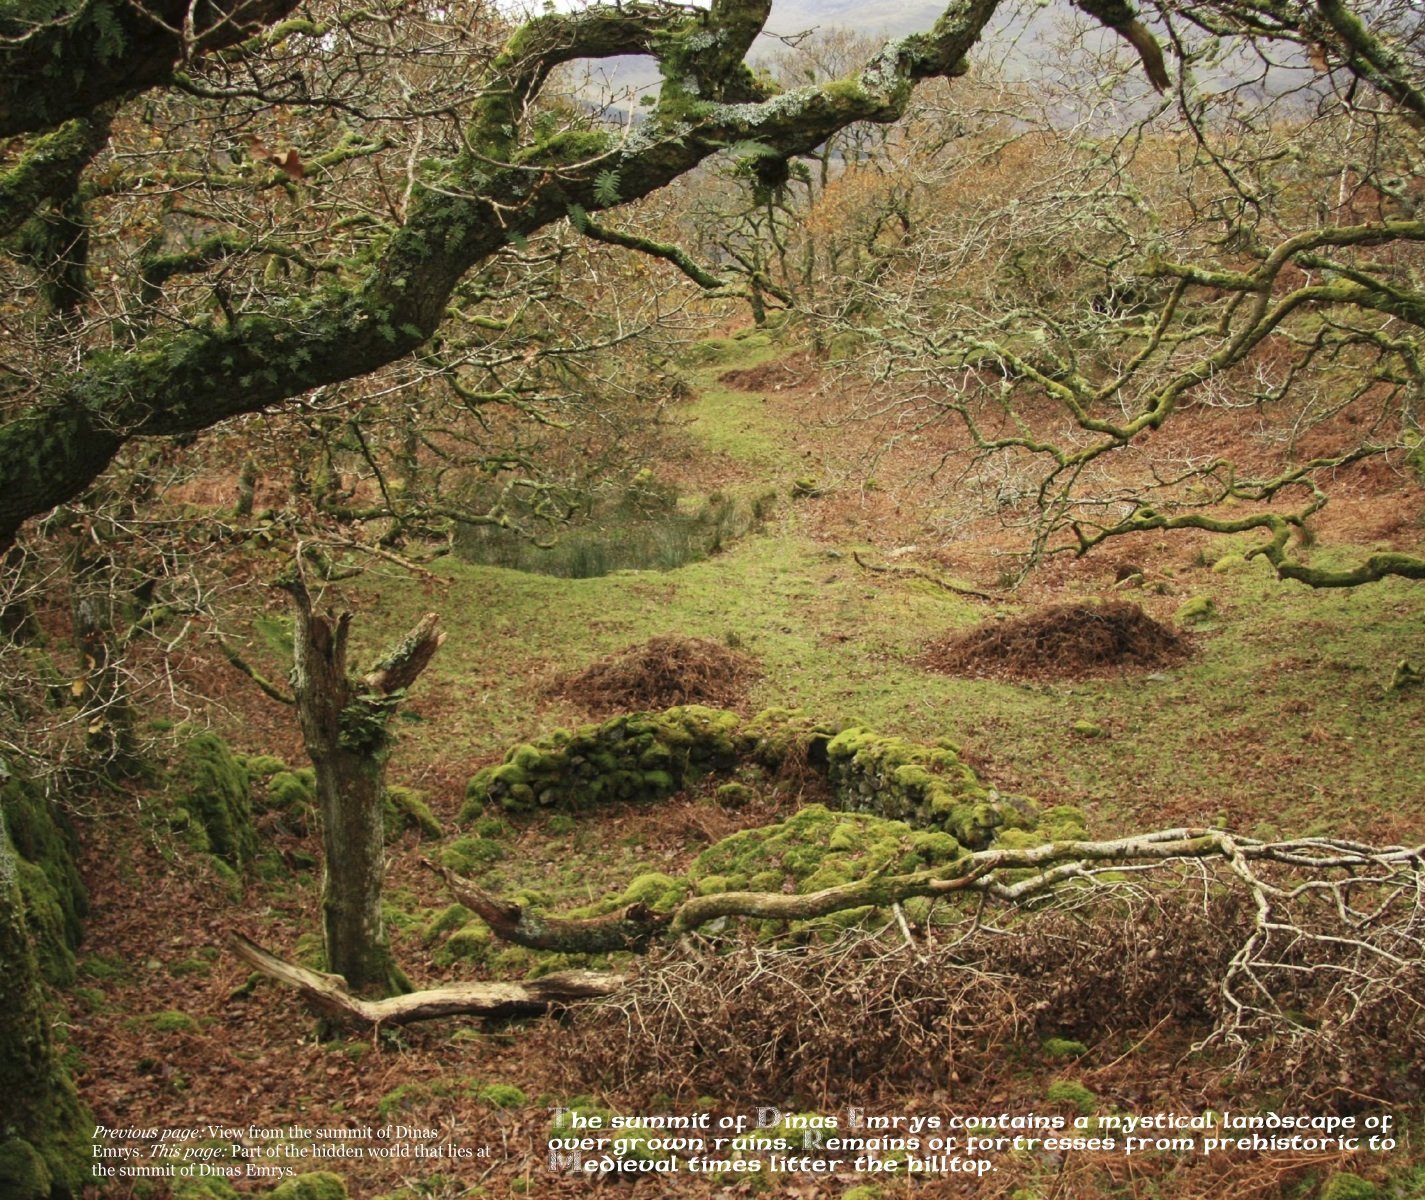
(1283, 707)
(1279, 721)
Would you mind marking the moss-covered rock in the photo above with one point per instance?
(211, 800)
(23, 1174)
(289, 792)
(817, 848)
(406, 808)
(55, 899)
(923, 785)
(1200, 610)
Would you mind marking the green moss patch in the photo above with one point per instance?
(211, 801)
(405, 808)
(54, 897)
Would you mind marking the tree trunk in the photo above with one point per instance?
(344, 728)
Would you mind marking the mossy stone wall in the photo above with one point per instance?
(642, 756)
(649, 756)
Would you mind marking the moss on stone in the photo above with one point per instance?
(1200, 610)
(639, 756)
(289, 792)
(406, 808)
(926, 785)
(734, 795)
(212, 786)
(43, 837)
(816, 848)
(23, 1173)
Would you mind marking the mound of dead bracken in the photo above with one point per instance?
(1065, 641)
(660, 673)
(777, 376)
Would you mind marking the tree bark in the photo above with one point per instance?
(344, 729)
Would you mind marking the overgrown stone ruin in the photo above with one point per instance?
(650, 756)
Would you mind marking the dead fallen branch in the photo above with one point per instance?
(920, 573)
(999, 873)
(328, 993)
(632, 928)
(1323, 906)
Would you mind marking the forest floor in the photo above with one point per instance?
(1277, 721)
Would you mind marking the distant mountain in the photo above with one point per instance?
(892, 17)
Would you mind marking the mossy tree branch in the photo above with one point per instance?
(667, 251)
(181, 383)
(61, 65)
(1011, 875)
(49, 168)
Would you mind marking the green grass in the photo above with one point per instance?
(1281, 715)
(1279, 723)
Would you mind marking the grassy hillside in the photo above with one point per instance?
(1280, 722)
